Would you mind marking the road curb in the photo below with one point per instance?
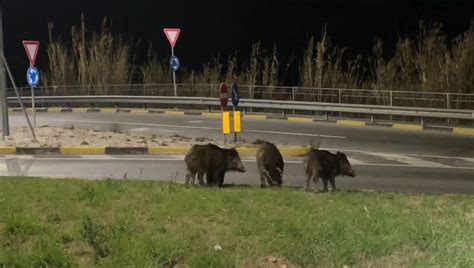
(298, 119)
(159, 150)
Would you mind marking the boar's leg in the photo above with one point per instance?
(315, 180)
(314, 177)
(219, 177)
(308, 181)
(262, 178)
(201, 181)
(189, 175)
(210, 178)
(325, 181)
(332, 180)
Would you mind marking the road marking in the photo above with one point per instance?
(3, 168)
(180, 158)
(463, 131)
(407, 126)
(409, 160)
(198, 127)
(295, 134)
(97, 157)
(356, 162)
(408, 154)
(351, 123)
(300, 119)
(195, 121)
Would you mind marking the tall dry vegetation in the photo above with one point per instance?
(91, 60)
(430, 62)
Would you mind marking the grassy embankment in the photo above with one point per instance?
(54, 223)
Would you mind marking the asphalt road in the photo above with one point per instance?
(384, 159)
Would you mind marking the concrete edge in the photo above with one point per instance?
(299, 119)
(158, 150)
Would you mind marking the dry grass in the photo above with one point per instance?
(428, 62)
(93, 60)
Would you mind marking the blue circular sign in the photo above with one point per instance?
(32, 76)
(174, 63)
(235, 95)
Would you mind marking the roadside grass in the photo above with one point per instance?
(118, 223)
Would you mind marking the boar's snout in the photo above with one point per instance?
(241, 168)
(350, 172)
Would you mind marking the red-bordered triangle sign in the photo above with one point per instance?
(172, 34)
(31, 48)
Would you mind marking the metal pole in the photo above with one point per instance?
(235, 133)
(174, 75)
(448, 101)
(33, 106)
(448, 106)
(3, 85)
(18, 96)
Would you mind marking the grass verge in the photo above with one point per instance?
(61, 223)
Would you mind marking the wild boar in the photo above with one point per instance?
(213, 161)
(270, 165)
(326, 165)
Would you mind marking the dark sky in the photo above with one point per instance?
(226, 26)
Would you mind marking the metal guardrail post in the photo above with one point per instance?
(448, 101)
(448, 106)
(293, 96)
(391, 98)
(391, 103)
(340, 99)
(250, 96)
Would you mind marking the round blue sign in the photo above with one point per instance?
(235, 95)
(174, 63)
(32, 76)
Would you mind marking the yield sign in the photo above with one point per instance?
(31, 48)
(172, 34)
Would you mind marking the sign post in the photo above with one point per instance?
(32, 74)
(172, 34)
(235, 102)
(224, 98)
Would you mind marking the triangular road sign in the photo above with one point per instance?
(172, 34)
(31, 48)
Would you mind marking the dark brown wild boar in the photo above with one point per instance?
(326, 165)
(270, 164)
(213, 161)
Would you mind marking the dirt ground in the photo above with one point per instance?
(73, 137)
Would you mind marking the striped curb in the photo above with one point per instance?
(159, 150)
(296, 119)
(351, 123)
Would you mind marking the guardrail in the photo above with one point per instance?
(326, 95)
(282, 105)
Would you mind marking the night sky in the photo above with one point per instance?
(209, 27)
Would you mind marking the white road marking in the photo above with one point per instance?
(97, 157)
(409, 160)
(408, 154)
(356, 162)
(176, 158)
(195, 121)
(198, 127)
(3, 169)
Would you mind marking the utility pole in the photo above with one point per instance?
(3, 83)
